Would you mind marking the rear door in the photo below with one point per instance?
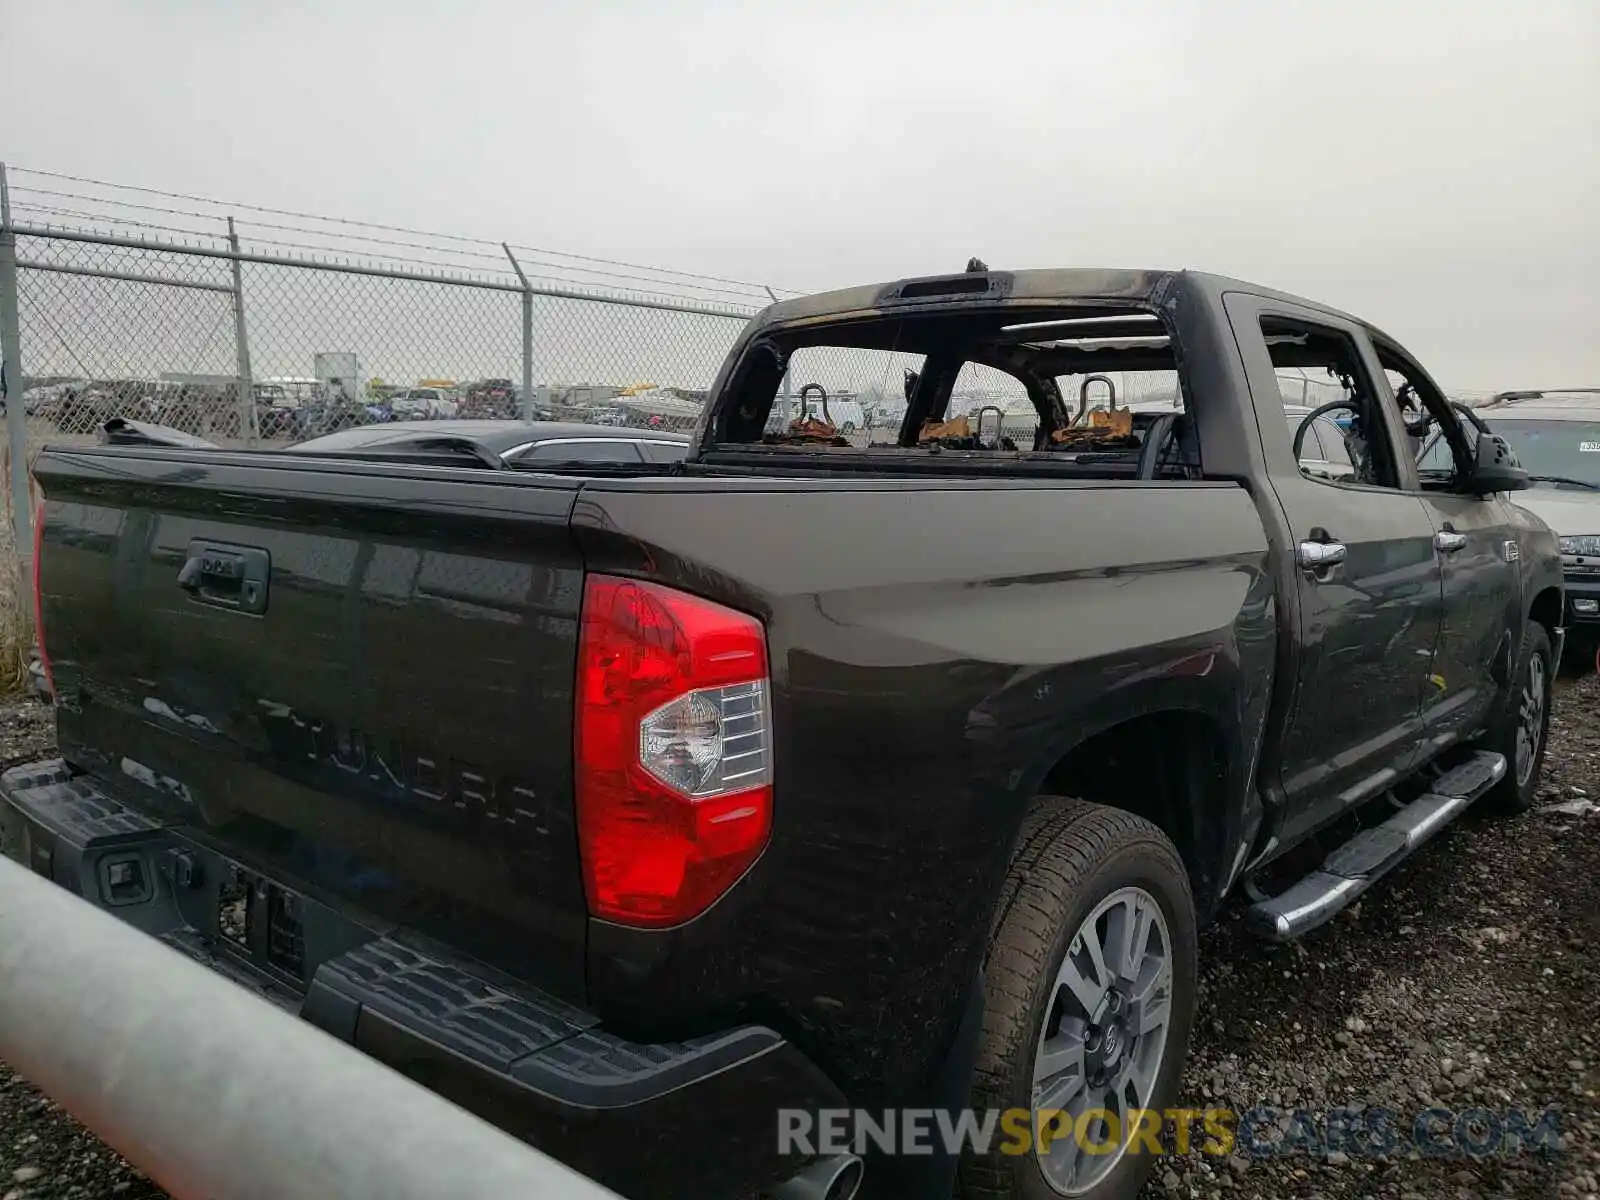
(1367, 576)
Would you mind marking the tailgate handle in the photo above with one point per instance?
(225, 576)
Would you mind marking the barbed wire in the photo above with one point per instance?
(342, 244)
(718, 293)
(661, 276)
(171, 212)
(588, 287)
(29, 208)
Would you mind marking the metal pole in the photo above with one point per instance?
(241, 345)
(525, 407)
(215, 1093)
(14, 385)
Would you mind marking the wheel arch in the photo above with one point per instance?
(1179, 767)
(1546, 610)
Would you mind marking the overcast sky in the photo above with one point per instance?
(1430, 166)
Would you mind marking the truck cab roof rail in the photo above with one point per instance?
(428, 451)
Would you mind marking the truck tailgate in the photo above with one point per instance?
(355, 680)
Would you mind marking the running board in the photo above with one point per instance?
(1373, 853)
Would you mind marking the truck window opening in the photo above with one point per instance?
(1094, 391)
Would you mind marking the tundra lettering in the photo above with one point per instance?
(391, 771)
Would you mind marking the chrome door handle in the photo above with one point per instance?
(1449, 541)
(1314, 556)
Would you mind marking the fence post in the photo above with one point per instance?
(525, 405)
(15, 384)
(241, 345)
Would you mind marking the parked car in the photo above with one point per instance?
(421, 404)
(605, 415)
(1556, 437)
(515, 443)
(630, 809)
(83, 408)
(494, 399)
(1323, 448)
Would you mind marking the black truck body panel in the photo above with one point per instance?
(372, 742)
(357, 735)
(879, 638)
(394, 730)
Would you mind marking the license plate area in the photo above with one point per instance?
(262, 922)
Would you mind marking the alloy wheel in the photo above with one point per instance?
(1104, 1037)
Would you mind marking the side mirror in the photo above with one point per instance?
(1497, 468)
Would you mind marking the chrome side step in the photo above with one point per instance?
(1373, 853)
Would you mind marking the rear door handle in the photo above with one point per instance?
(1315, 556)
(1449, 541)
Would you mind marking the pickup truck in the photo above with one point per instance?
(1555, 434)
(628, 808)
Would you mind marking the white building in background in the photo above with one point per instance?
(340, 371)
(844, 410)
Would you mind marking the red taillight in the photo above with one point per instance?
(673, 750)
(38, 597)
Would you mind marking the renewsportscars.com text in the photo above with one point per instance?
(1257, 1132)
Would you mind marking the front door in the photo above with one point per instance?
(1476, 543)
(1475, 653)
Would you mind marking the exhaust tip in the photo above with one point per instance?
(826, 1179)
(848, 1181)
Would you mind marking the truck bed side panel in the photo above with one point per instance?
(936, 648)
(394, 731)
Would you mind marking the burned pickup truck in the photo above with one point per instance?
(885, 772)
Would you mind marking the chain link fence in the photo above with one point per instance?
(248, 326)
(241, 347)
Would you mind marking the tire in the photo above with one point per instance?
(1072, 861)
(1528, 701)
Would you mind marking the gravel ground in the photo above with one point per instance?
(1466, 980)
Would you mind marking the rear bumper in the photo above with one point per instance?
(647, 1119)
